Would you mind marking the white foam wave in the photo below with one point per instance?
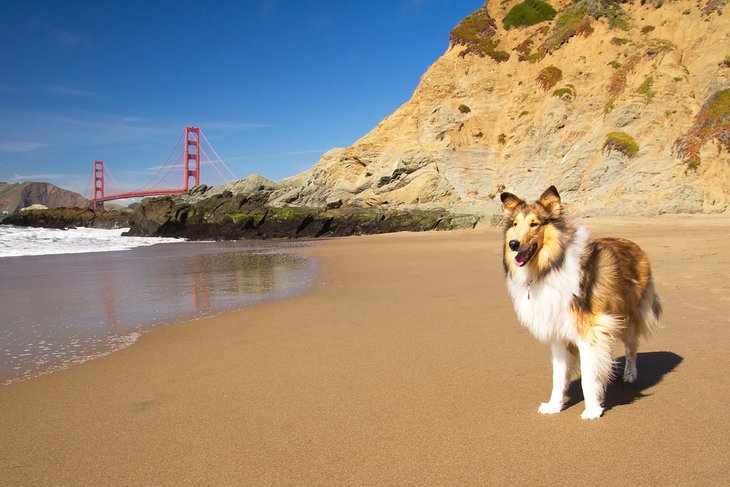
(74, 353)
(19, 241)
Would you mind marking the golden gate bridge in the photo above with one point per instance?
(196, 153)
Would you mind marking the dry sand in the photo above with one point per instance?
(404, 365)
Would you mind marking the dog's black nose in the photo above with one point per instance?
(514, 244)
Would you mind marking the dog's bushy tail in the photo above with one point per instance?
(650, 310)
(602, 335)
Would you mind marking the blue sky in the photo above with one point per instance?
(273, 84)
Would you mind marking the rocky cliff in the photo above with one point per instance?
(14, 196)
(624, 106)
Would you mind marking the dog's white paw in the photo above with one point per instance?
(550, 408)
(593, 412)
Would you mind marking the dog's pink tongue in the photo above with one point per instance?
(521, 258)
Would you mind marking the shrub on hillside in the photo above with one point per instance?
(524, 48)
(656, 47)
(549, 77)
(621, 142)
(575, 19)
(529, 12)
(712, 6)
(645, 89)
(619, 41)
(476, 32)
(567, 93)
(617, 83)
(712, 123)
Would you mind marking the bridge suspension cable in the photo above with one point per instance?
(164, 170)
(188, 150)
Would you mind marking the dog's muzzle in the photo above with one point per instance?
(523, 256)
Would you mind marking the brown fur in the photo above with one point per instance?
(617, 275)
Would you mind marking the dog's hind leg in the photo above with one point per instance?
(641, 324)
(631, 341)
(562, 360)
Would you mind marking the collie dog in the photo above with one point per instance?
(576, 294)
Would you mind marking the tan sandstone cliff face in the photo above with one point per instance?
(475, 126)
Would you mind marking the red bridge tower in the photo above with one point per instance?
(98, 202)
(191, 155)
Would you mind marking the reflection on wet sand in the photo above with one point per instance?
(67, 308)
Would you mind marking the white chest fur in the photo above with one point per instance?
(544, 306)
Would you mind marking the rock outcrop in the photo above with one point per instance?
(69, 218)
(209, 213)
(622, 105)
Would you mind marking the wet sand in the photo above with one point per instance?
(404, 365)
(65, 308)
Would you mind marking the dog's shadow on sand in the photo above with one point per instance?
(652, 367)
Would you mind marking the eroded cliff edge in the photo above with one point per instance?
(625, 106)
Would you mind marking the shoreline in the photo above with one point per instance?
(72, 307)
(404, 364)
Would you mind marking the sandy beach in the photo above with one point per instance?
(403, 365)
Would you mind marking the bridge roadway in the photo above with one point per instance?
(139, 194)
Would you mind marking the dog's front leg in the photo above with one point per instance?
(593, 360)
(561, 359)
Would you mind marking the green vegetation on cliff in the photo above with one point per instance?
(617, 83)
(645, 89)
(621, 142)
(529, 12)
(576, 18)
(567, 93)
(476, 32)
(711, 123)
(549, 77)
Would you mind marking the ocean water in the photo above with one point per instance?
(18, 241)
(69, 296)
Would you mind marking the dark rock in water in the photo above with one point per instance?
(69, 218)
(227, 216)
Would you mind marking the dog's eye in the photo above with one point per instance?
(534, 224)
(514, 224)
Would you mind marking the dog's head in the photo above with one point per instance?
(530, 228)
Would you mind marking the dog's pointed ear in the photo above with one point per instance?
(550, 200)
(510, 203)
